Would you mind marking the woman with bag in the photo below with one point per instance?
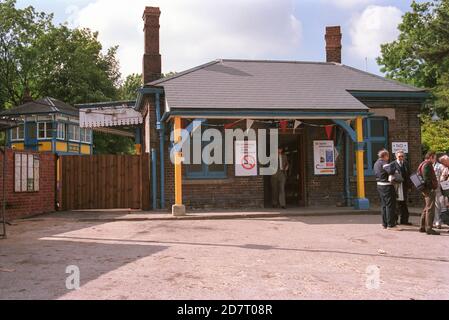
(444, 192)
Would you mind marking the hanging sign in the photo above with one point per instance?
(246, 158)
(324, 157)
(399, 146)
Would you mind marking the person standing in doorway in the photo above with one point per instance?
(387, 193)
(403, 188)
(278, 181)
(427, 172)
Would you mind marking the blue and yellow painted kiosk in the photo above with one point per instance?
(50, 125)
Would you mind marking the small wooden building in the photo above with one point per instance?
(48, 125)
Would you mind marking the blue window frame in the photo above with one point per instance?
(203, 170)
(375, 133)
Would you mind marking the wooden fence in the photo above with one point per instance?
(103, 182)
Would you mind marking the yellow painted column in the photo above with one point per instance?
(361, 203)
(178, 165)
(359, 159)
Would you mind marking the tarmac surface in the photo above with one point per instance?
(281, 257)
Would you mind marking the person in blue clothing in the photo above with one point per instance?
(386, 190)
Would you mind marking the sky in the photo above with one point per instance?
(194, 32)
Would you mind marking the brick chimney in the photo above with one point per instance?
(151, 59)
(333, 44)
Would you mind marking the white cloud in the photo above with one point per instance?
(349, 3)
(376, 25)
(195, 31)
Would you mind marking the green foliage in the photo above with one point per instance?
(56, 61)
(128, 90)
(420, 56)
(111, 144)
(435, 135)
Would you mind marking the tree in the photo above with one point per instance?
(20, 29)
(128, 90)
(420, 56)
(67, 64)
(435, 135)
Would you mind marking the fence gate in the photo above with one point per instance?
(103, 182)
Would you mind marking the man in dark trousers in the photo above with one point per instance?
(426, 170)
(401, 166)
(387, 193)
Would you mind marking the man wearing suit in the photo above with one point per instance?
(403, 168)
(278, 180)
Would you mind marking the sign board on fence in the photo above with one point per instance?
(246, 158)
(324, 157)
(398, 146)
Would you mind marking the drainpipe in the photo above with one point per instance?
(160, 127)
(154, 178)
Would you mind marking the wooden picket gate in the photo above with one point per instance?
(103, 182)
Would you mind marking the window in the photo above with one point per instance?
(17, 133)
(375, 133)
(85, 135)
(61, 131)
(74, 132)
(45, 130)
(26, 172)
(203, 170)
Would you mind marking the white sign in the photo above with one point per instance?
(246, 158)
(398, 146)
(324, 157)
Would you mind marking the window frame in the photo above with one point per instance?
(22, 175)
(368, 142)
(77, 129)
(17, 130)
(45, 137)
(205, 173)
(64, 131)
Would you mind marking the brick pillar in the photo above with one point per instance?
(151, 59)
(333, 44)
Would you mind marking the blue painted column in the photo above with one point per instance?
(154, 178)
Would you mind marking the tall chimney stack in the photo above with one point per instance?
(151, 59)
(333, 44)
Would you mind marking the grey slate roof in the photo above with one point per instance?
(249, 84)
(44, 105)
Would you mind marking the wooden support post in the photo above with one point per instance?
(361, 203)
(178, 208)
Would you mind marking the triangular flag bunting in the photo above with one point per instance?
(283, 124)
(249, 123)
(329, 131)
(296, 124)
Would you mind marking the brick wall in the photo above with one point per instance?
(25, 204)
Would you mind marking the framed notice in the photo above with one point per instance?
(324, 157)
(26, 172)
(399, 146)
(246, 158)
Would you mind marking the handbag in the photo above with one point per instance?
(445, 188)
(418, 181)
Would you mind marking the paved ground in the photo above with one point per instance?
(323, 257)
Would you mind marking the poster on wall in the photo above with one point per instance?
(245, 158)
(399, 146)
(324, 157)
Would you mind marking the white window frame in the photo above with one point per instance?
(45, 130)
(87, 137)
(60, 129)
(15, 136)
(76, 133)
(26, 172)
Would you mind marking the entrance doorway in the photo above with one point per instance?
(294, 149)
